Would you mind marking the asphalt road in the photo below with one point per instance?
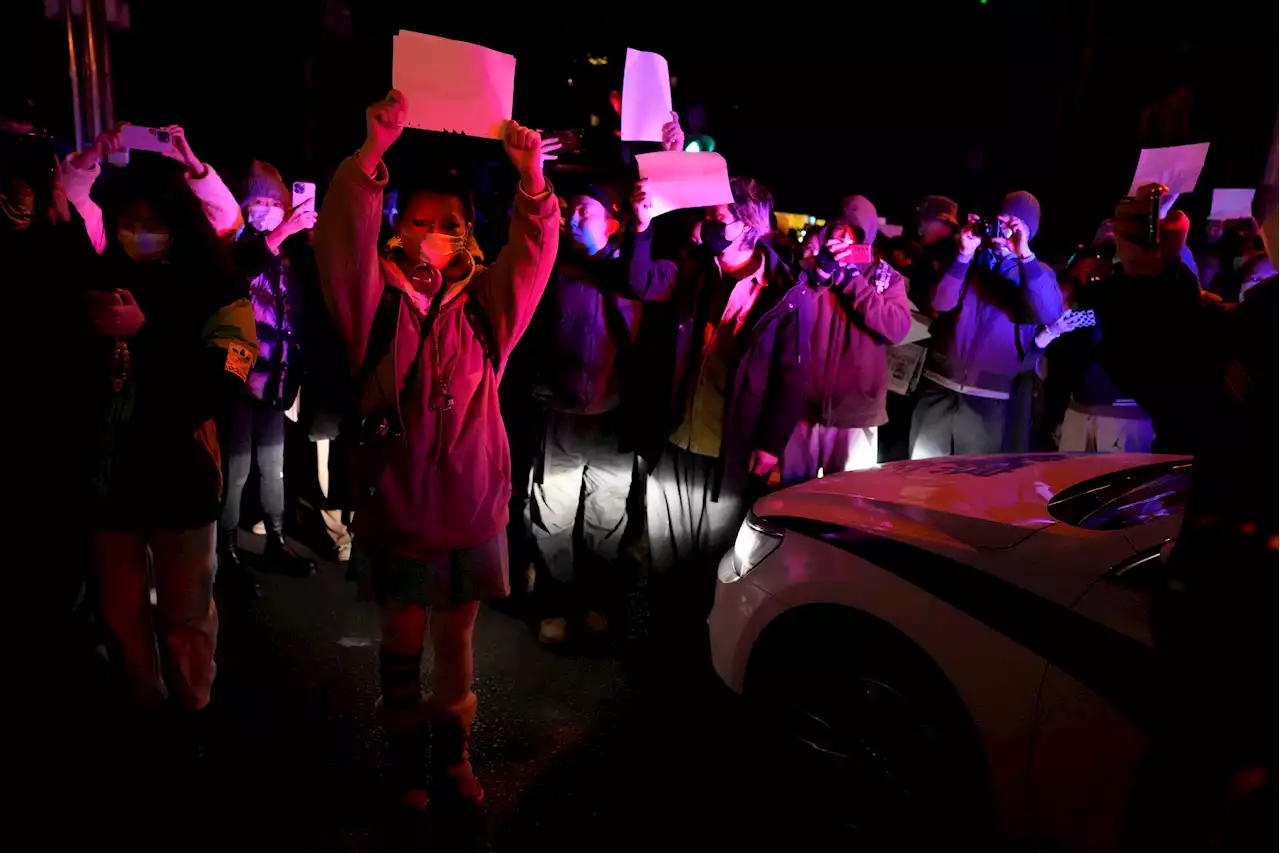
(608, 751)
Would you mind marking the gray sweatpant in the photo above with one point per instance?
(947, 423)
(582, 468)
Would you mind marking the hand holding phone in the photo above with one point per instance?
(137, 138)
(303, 192)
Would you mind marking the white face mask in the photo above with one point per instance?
(264, 217)
(144, 246)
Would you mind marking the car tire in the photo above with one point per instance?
(869, 736)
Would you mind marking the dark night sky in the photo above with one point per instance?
(962, 98)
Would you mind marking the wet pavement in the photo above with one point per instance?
(611, 751)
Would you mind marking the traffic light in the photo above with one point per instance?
(700, 143)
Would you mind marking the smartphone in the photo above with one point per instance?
(861, 253)
(303, 192)
(1084, 318)
(138, 138)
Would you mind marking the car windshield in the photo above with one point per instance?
(1125, 498)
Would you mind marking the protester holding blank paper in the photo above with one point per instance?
(731, 381)
(428, 333)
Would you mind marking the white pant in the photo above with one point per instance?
(1105, 434)
(813, 448)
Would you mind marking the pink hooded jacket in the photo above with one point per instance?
(445, 485)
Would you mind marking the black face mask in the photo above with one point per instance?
(713, 236)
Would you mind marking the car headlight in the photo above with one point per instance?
(757, 538)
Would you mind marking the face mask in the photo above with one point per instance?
(433, 249)
(713, 236)
(265, 217)
(144, 246)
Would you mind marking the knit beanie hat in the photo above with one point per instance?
(263, 181)
(1023, 205)
(607, 197)
(937, 207)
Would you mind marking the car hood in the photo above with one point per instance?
(982, 502)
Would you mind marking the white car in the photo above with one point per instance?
(974, 631)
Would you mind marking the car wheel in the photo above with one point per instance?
(869, 740)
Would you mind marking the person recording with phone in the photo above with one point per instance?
(1083, 406)
(428, 332)
(82, 170)
(253, 429)
(172, 345)
(860, 309)
(1156, 299)
(1207, 374)
(990, 302)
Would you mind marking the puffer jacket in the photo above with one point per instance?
(276, 295)
(859, 313)
(445, 485)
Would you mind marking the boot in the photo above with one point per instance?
(451, 775)
(406, 730)
(281, 553)
(233, 574)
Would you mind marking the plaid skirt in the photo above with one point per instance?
(443, 579)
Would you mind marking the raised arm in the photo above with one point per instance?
(220, 205)
(79, 173)
(510, 289)
(346, 236)
(947, 292)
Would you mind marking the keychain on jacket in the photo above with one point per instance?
(121, 365)
(440, 400)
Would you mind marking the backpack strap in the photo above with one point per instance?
(382, 336)
(483, 330)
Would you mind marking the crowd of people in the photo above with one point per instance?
(666, 371)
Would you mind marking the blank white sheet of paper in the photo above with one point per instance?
(684, 179)
(1178, 167)
(646, 96)
(452, 85)
(1231, 204)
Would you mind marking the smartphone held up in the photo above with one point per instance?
(138, 138)
(304, 192)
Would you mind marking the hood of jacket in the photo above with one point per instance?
(857, 211)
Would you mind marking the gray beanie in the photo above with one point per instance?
(1023, 205)
(263, 181)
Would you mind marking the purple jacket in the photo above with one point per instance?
(989, 308)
